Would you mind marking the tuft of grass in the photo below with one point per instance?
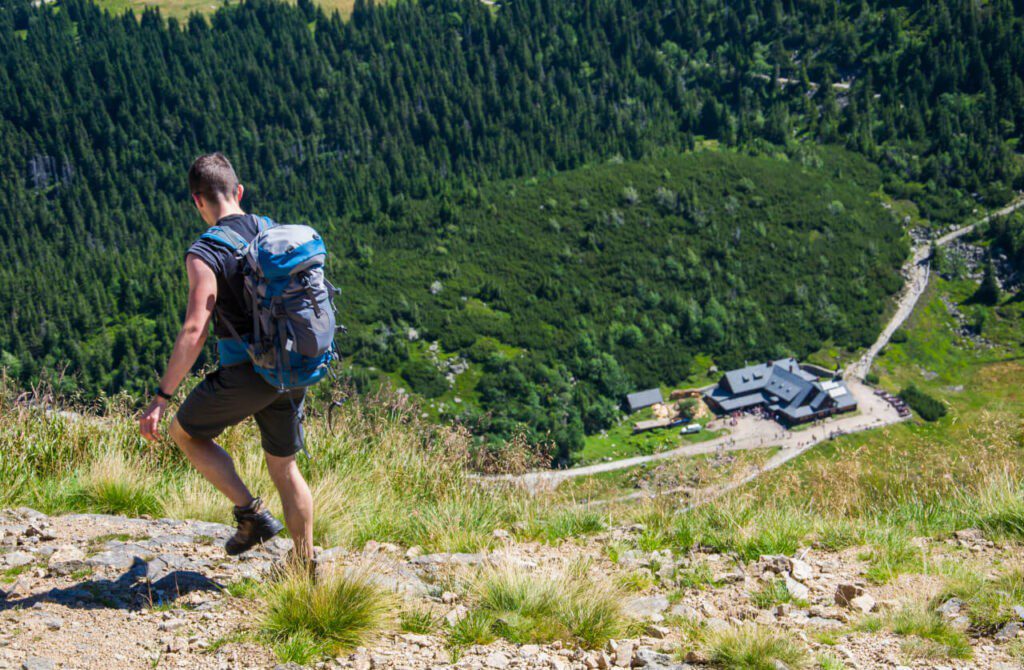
(533, 608)
(475, 628)
(114, 483)
(340, 611)
(565, 523)
(245, 588)
(8, 575)
(772, 593)
(988, 602)
(929, 636)
(830, 662)
(218, 643)
(755, 648)
(421, 621)
(825, 636)
(997, 507)
(742, 526)
(300, 647)
(891, 555)
(698, 576)
(613, 551)
(636, 581)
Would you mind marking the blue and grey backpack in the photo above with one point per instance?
(293, 319)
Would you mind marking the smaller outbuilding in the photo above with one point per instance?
(637, 401)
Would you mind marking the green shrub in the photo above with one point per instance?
(929, 408)
(424, 378)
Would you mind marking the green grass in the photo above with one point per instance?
(696, 577)
(891, 555)
(636, 581)
(755, 648)
(534, 608)
(619, 441)
(336, 613)
(114, 484)
(475, 628)
(830, 662)
(927, 635)
(9, 575)
(421, 621)
(245, 588)
(772, 593)
(565, 523)
(988, 603)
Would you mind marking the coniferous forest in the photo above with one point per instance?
(578, 197)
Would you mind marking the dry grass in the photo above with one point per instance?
(378, 473)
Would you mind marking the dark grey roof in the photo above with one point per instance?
(786, 385)
(642, 399)
(755, 377)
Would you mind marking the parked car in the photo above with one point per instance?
(691, 429)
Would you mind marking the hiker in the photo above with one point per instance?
(236, 389)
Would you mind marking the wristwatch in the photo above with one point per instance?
(160, 392)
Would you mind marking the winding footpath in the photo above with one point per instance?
(753, 433)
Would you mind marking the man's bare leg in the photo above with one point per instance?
(213, 463)
(296, 500)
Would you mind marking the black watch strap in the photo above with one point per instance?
(160, 392)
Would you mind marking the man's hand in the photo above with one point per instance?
(149, 422)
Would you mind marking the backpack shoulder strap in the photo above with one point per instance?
(263, 223)
(225, 237)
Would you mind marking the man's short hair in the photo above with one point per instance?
(211, 175)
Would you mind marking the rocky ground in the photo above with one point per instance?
(93, 591)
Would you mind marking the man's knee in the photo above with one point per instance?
(280, 465)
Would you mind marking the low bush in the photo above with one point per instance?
(929, 408)
(424, 378)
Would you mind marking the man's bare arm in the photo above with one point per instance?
(202, 296)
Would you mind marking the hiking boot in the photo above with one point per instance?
(255, 526)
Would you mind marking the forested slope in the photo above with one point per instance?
(566, 293)
(351, 124)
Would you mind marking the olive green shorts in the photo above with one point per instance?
(229, 395)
